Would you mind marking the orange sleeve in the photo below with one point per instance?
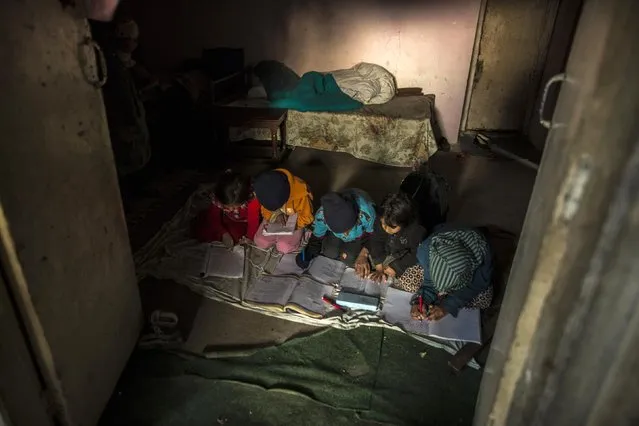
(266, 214)
(304, 209)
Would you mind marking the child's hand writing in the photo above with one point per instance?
(390, 272)
(416, 314)
(378, 274)
(362, 267)
(279, 219)
(435, 313)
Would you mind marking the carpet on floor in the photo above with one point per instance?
(362, 376)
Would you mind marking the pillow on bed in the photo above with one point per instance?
(371, 84)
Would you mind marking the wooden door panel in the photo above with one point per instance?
(549, 360)
(60, 193)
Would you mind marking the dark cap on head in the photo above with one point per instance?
(340, 212)
(272, 189)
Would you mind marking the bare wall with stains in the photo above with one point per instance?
(425, 43)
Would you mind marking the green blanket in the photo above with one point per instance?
(364, 376)
(315, 92)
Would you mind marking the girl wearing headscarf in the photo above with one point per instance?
(457, 269)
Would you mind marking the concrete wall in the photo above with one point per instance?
(425, 43)
(511, 58)
(59, 190)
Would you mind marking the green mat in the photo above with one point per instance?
(363, 376)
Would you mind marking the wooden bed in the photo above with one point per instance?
(397, 133)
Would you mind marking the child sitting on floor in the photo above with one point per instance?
(393, 245)
(457, 268)
(234, 212)
(342, 225)
(281, 195)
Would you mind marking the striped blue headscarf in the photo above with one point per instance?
(454, 256)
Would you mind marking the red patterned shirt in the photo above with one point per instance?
(218, 219)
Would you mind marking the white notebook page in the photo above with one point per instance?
(222, 262)
(325, 270)
(466, 327)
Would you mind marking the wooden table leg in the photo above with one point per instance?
(274, 142)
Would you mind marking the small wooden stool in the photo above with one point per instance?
(260, 118)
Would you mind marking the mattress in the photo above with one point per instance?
(397, 133)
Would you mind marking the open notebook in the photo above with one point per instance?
(222, 262)
(288, 293)
(274, 228)
(466, 327)
(323, 272)
(354, 292)
(354, 284)
(330, 271)
(288, 266)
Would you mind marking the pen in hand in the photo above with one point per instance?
(420, 311)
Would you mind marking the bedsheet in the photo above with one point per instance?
(172, 254)
(397, 133)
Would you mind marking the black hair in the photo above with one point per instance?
(232, 188)
(397, 209)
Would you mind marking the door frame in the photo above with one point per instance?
(565, 347)
(476, 67)
(472, 71)
(29, 338)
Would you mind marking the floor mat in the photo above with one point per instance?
(361, 376)
(173, 255)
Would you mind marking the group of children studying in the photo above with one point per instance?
(448, 269)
